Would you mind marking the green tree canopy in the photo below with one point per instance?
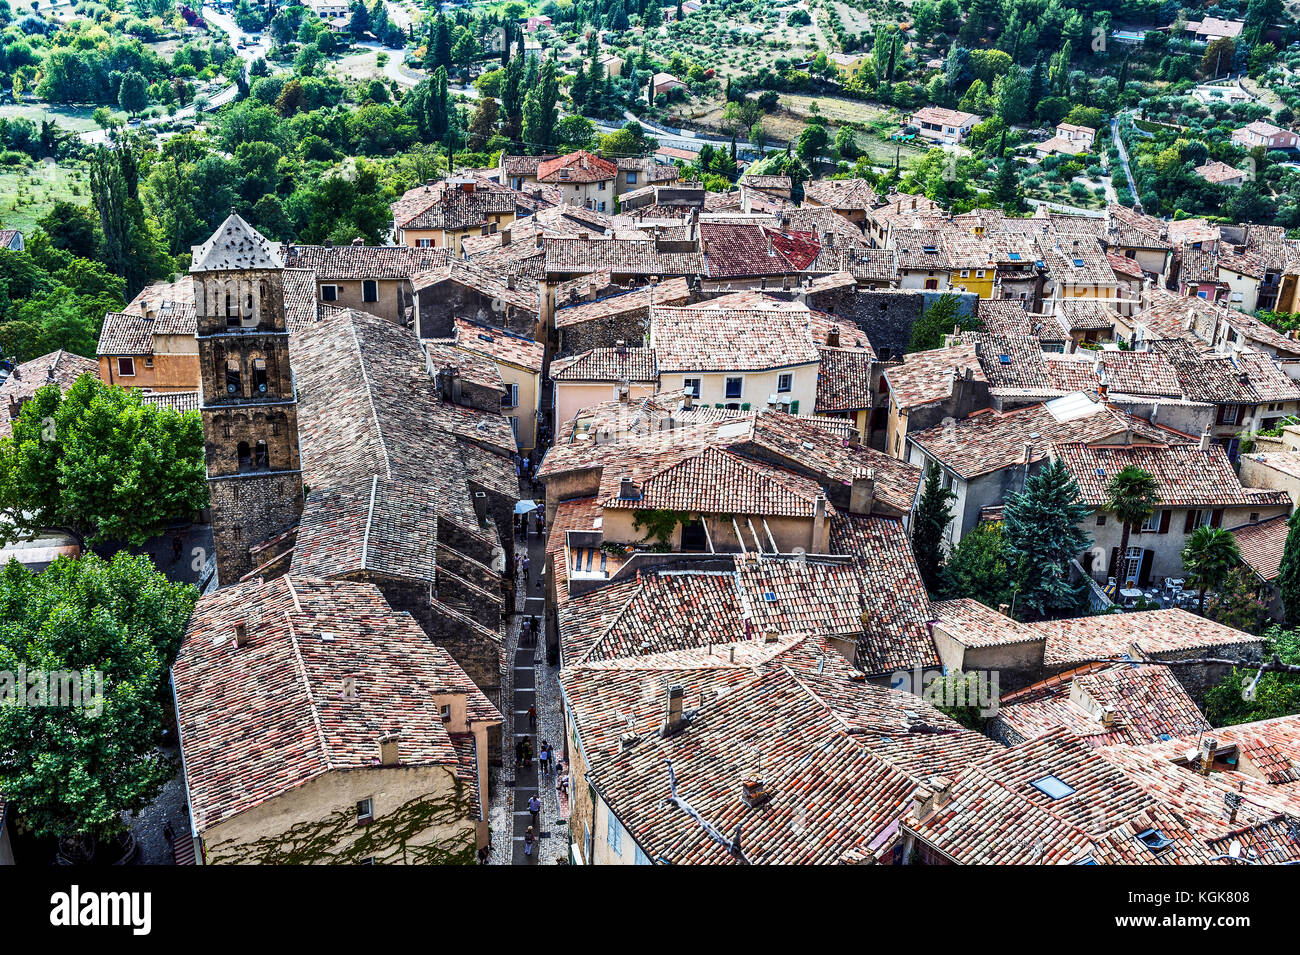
(100, 463)
(1043, 536)
(73, 770)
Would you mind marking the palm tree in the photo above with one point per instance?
(1210, 553)
(1132, 497)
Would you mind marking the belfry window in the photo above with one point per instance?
(261, 456)
(232, 378)
(259, 376)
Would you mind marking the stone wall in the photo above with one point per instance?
(632, 328)
(246, 510)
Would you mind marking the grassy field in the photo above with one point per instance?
(28, 194)
(73, 120)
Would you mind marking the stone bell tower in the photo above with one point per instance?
(247, 396)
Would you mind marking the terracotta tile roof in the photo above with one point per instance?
(60, 367)
(300, 305)
(491, 282)
(1086, 314)
(994, 814)
(356, 262)
(1151, 632)
(717, 482)
(973, 625)
(895, 635)
(580, 166)
(565, 256)
(499, 344)
(945, 117)
(988, 440)
(830, 796)
(474, 368)
(926, 376)
(844, 380)
(1072, 372)
(1145, 704)
(1076, 260)
(1013, 362)
(774, 183)
(327, 669)
(851, 194)
(384, 527)
(607, 364)
(176, 400)
(1139, 373)
(522, 165)
(921, 250)
(1185, 475)
(1262, 545)
(740, 250)
(674, 291)
(1217, 172)
(368, 406)
(703, 338)
(444, 206)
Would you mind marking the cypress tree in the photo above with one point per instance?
(933, 514)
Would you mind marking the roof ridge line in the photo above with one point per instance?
(370, 516)
(370, 398)
(306, 684)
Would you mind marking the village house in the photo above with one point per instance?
(1213, 28)
(519, 361)
(374, 279)
(381, 739)
(59, 368)
(850, 198)
(583, 179)
(1220, 174)
(1070, 140)
(599, 375)
(949, 126)
(1196, 487)
(1260, 133)
(150, 345)
(441, 215)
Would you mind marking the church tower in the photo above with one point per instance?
(247, 396)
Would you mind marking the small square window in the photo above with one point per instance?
(1053, 787)
(329, 293)
(1101, 520)
(445, 712)
(365, 812)
(691, 386)
(126, 367)
(370, 291)
(734, 387)
(785, 382)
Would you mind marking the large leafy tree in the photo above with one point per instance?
(978, 567)
(72, 771)
(1209, 554)
(1043, 536)
(1132, 497)
(933, 514)
(99, 463)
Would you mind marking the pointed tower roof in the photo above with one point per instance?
(236, 245)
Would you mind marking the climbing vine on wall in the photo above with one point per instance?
(338, 840)
(659, 524)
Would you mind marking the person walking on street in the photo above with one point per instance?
(532, 717)
(527, 562)
(529, 839)
(528, 754)
(543, 755)
(535, 807)
(519, 753)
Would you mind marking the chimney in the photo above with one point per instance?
(819, 525)
(505, 237)
(1206, 439)
(241, 634)
(674, 721)
(481, 507)
(389, 751)
(627, 741)
(510, 281)
(833, 337)
(1029, 453)
(49, 374)
(1108, 718)
(753, 792)
(922, 803)
(1103, 391)
(449, 384)
(1205, 757)
(627, 490)
(942, 786)
(358, 241)
(862, 495)
(15, 408)
(328, 244)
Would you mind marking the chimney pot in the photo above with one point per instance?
(753, 793)
(674, 720)
(389, 749)
(241, 634)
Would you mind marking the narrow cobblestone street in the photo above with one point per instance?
(531, 682)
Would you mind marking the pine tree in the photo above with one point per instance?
(1035, 89)
(1288, 575)
(933, 514)
(1043, 536)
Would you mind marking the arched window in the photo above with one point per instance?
(233, 378)
(245, 456)
(232, 308)
(259, 376)
(261, 456)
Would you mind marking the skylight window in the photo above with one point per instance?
(1005, 359)
(1014, 256)
(1154, 839)
(1078, 263)
(1053, 787)
(769, 596)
